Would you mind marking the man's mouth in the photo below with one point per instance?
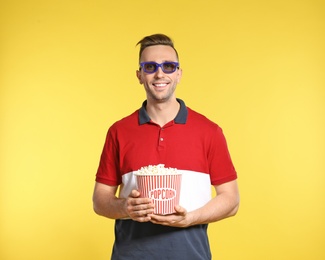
(160, 85)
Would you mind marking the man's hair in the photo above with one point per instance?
(155, 39)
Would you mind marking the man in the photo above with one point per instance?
(164, 131)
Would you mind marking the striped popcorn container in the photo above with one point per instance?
(162, 187)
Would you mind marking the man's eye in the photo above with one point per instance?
(169, 66)
(150, 67)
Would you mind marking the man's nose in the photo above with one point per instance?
(159, 73)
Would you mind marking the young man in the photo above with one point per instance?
(164, 131)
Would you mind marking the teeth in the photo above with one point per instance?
(161, 85)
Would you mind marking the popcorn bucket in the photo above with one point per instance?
(163, 189)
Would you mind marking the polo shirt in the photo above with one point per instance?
(191, 143)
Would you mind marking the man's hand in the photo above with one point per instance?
(179, 219)
(107, 204)
(139, 209)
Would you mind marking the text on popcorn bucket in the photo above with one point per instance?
(162, 194)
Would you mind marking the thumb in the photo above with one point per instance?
(135, 193)
(180, 210)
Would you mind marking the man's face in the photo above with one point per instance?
(159, 86)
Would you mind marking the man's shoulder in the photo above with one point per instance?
(198, 117)
(130, 119)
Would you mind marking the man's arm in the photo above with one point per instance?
(225, 204)
(106, 204)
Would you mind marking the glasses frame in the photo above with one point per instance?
(159, 65)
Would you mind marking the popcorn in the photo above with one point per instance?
(156, 169)
(160, 184)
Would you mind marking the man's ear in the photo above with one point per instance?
(180, 73)
(138, 73)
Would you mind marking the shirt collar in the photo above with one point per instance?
(180, 118)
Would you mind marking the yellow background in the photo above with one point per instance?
(67, 72)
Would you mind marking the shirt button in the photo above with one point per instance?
(161, 139)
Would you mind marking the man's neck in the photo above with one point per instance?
(164, 112)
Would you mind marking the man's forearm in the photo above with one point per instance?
(220, 207)
(224, 205)
(112, 208)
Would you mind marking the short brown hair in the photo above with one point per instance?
(155, 39)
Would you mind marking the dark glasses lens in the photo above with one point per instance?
(152, 67)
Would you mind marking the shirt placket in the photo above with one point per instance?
(161, 139)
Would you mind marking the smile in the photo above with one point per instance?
(160, 85)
